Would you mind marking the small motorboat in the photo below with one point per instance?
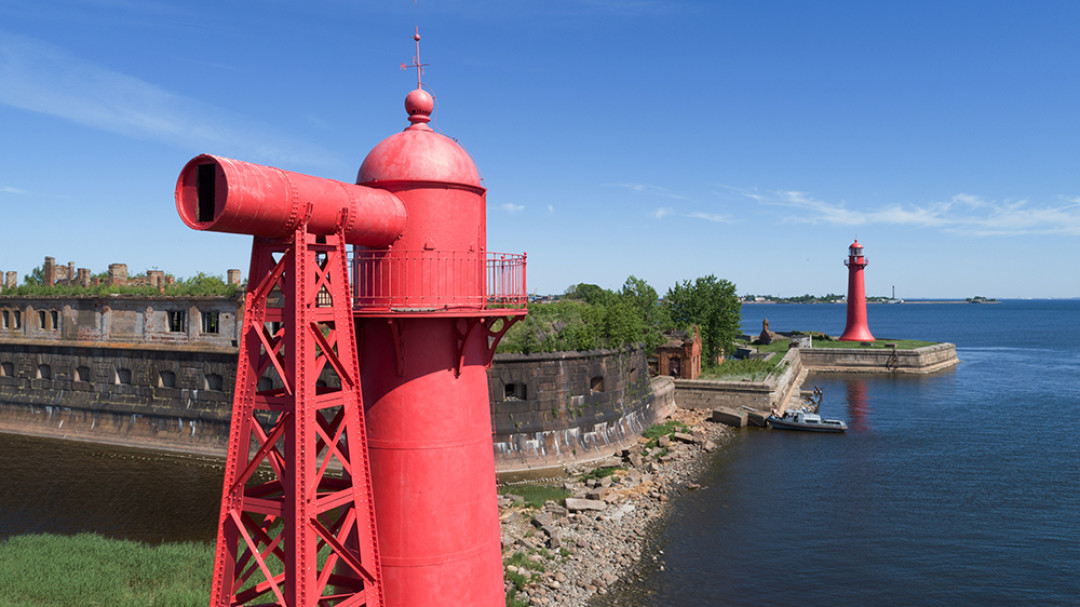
(801, 420)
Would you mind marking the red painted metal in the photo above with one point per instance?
(856, 328)
(439, 303)
(429, 306)
(306, 535)
(386, 283)
(225, 195)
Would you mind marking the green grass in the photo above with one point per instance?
(739, 369)
(90, 570)
(536, 495)
(668, 428)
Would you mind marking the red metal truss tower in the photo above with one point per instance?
(297, 524)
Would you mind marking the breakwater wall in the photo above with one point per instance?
(774, 392)
(880, 360)
(547, 409)
(739, 403)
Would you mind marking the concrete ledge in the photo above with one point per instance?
(739, 403)
(920, 361)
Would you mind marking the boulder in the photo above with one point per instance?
(574, 504)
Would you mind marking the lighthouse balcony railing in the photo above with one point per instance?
(389, 282)
(861, 261)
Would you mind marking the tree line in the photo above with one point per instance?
(588, 317)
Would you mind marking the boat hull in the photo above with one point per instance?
(829, 425)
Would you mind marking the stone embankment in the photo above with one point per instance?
(568, 551)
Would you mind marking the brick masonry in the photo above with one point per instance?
(565, 407)
(178, 400)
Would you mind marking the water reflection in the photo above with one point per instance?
(858, 405)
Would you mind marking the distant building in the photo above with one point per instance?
(177, 321)
(680, 357)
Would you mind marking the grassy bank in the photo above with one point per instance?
(91, 570)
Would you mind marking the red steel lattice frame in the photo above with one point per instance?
(306, 536)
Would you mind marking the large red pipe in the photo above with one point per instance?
(226, 195)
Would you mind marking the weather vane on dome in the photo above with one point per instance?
(416, 60)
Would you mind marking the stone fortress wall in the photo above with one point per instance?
(160, 372)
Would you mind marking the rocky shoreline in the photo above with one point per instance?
(565, 552)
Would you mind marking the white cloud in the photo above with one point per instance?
(512, 208)
(663, 212)
(43, 78)
(10, 190)
(550, 209)
(960, 214)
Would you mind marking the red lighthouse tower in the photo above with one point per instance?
(856, 328)
(426, 337)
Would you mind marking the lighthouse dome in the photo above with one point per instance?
(418, 154)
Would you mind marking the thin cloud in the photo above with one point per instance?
(663, 212)
(43, 78)
(652, 190)
(960, 214)
(550, 209)
(10, 190)
(714, 217)
(512, 208)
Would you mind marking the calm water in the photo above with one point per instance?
(962, 488)
(61, 487)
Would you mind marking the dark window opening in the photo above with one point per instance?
(206, 190)
(41, 318)
(209, 322)
(44, 372)
(82, 373)
(55, 320)
(323, 299)
(166, 379)
(123, 377)
(7, 370)
(213, 381)
(7, 319)
(514, 392)
(18, 319)
(177, 321)
(596, 384)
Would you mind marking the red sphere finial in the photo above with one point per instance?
(419, 104)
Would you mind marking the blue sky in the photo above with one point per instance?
(668, 140)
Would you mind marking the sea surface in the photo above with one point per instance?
(959, 488)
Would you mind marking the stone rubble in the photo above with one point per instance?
(578, 549)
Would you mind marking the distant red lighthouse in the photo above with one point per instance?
(856, 329)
